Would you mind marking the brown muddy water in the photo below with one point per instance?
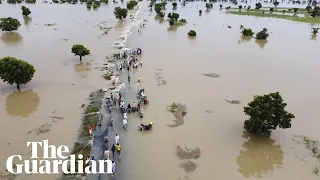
(172, 72)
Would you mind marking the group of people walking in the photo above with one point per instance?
(116, 148)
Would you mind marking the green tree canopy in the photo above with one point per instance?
(80, 50)
(131, 4)
(258, 5)
(174, 4)
(15, 71)
(246, 31)
(262, 35)
(173, 16)
(192, 33)
(120, 13)
(266, 114)
(9, 24)
(25, 11)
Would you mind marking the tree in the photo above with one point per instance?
(25, 11)
(162, 14)
(173, 16)
(174, 4)
(30, 1)
(80, 50)
(120, 13)
(11, 1)
(220, 5)
(262, 35)
(208, 6)
(158, 8)
(9, 24)
(240, 6)
(246, 31)
(308, 8)
(200, 12)
(271, 9)
(16, 71)
(315, 12)
(131, 4)
(276, 3)
(163, 4)
(266, 114)
(295, 10)
(258, 5)
(192, 33)
(315, 31)
(171, 23)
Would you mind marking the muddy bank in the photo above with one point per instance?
(83, 145)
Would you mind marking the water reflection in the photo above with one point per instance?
(11, 38)
(261, 43)
(81, 67)
(259, 156)
(244, 39)
(159, 19)
(27, 20)
(22, 103)
(173, 28)
(314, 37)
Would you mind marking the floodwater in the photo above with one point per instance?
(173, 65)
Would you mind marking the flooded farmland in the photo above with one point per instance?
(174, 68)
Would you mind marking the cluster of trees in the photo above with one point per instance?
(9, 24)
(131, 4)
(16, 71)
(262, 35)
(192, 33)
(158, 7)
(173, 18)
(25, 11)
(120, 13)
(20, 1)
(266, 113)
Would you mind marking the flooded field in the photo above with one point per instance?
(174, 71)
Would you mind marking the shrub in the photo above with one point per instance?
(262, 35)
(192, 33)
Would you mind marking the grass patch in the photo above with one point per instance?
(307, 19)
(108, 76)
(179, 111)
(91, 109)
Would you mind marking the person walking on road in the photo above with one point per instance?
(117, 138)
(107, 154)
(113, 168)
(118, 148)
(113, 149)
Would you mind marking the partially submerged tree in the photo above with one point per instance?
(246, 31)
(258, 5)
(163, 4)
(173, 16)
(200, 12)
(192, 33)
(15, 71)
(131, 4)
(9, 24)
(158, 8)
(25, 11)
(120, 13)
(209, 5)
(174, 5)
(271, 9)
(262, 35)
(295, 10)
(80, 50)
(315, 31)
(240, 6)
(220, 5)
(266, 114)
(31, 1)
